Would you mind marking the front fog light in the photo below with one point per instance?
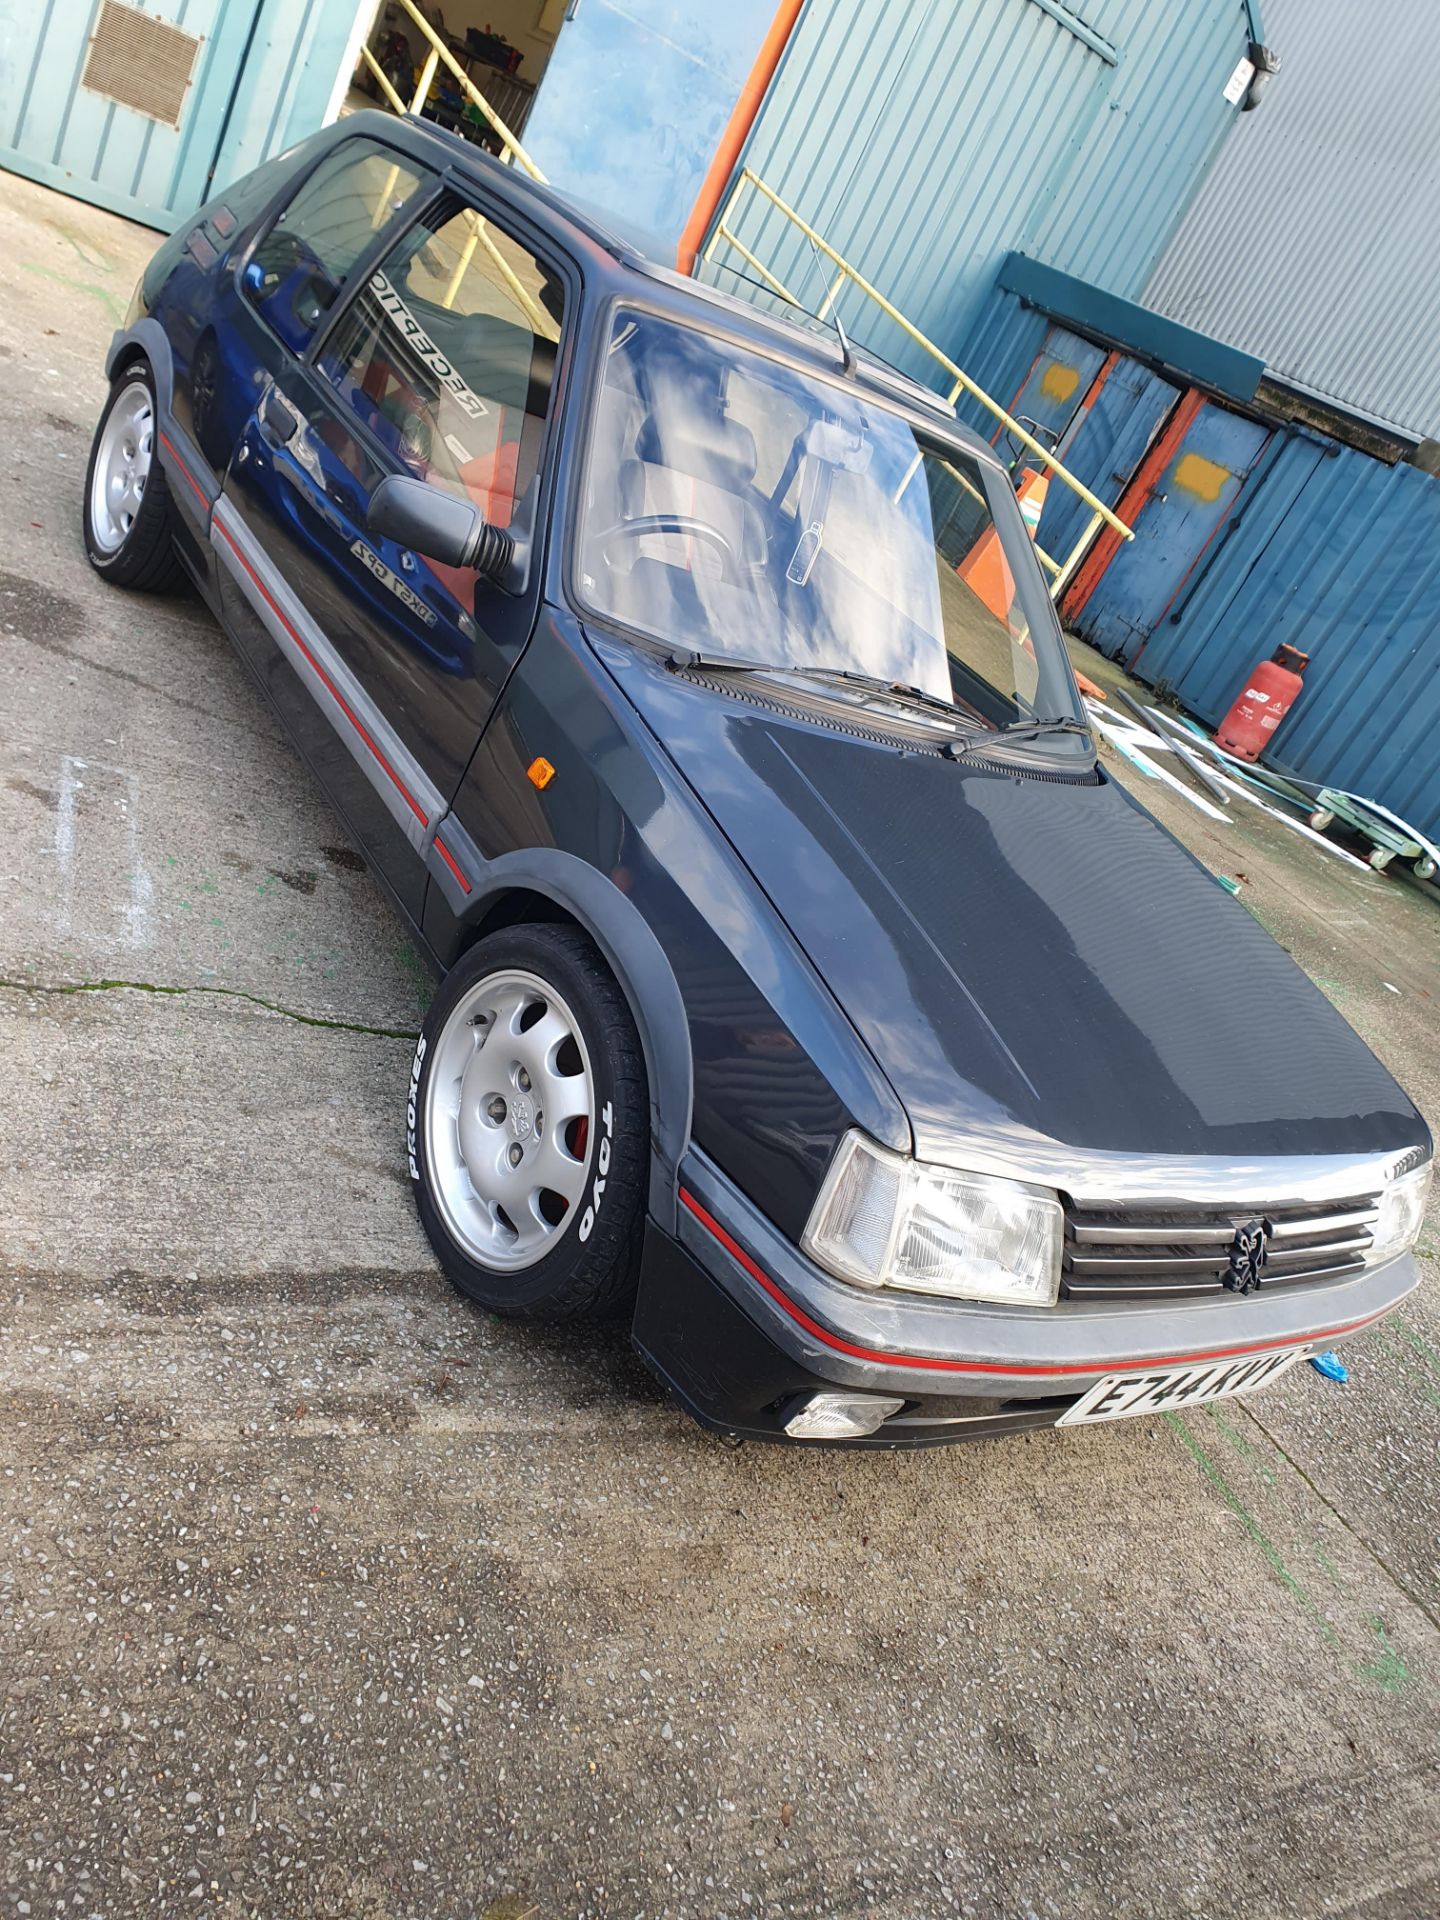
(839, 1416)
(885, 1221)
(1402, 1213)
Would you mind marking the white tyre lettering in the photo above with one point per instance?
(602, 1163)
(410, 1147)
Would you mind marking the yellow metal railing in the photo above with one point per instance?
(478, 235)
(510, 147)
(1062, 571)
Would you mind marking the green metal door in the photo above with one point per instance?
(122, 105)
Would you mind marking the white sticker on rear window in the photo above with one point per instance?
(425, 349)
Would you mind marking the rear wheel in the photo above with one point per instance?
(528, 1128)
(128, 513)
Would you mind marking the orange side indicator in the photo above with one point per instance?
(540, 772)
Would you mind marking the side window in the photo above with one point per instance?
(301, 264)
(448, 354)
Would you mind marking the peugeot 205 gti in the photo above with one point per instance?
(810, 995)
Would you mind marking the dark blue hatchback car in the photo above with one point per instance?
(810, 994)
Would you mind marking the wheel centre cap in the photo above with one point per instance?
(522, 1116)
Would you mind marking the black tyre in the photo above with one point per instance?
(128, 512)
(528, 1129)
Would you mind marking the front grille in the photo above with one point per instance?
(1178, 1253)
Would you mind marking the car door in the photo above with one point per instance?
(439, 366)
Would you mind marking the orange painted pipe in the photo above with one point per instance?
(1132, 501)
(737, 127)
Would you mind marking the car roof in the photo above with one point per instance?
(621, 265)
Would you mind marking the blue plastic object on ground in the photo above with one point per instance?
(1331, 1365)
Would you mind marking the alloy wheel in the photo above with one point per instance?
(122, 467)
(509, 1115)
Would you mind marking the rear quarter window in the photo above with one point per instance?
(302, 263)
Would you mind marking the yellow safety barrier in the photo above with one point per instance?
(1063, 571)
(510, 143)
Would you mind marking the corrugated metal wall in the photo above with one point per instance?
(300, 58)
(999, 352)
(1340, 556)
(925, 139)
(80, 109)
(1326, 548)
(1313, 241)
(264, 73)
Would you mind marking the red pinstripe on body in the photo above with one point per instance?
(194, 485)
(823, 1334)
(450, 861)
(331, 688)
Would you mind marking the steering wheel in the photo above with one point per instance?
(680, 523)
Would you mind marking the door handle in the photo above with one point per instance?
(278, 422)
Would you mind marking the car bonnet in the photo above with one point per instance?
(1026, 955)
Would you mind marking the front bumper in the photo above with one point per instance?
(737, 1323)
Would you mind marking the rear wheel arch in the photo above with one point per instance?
(130, 355)
(147, 341)
(544, 884)
(127, 515)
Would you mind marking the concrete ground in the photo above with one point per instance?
(322, 1595)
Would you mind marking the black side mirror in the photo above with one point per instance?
(438, 525)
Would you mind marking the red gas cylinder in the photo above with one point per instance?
(1269, 693)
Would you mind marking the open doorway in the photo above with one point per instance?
(504, 47)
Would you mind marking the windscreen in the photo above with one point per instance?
(741, 508)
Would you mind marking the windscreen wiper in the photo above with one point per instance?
(1016, 731)
(878, 683)
(681, 658)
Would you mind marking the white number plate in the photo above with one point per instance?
(1119, 1396)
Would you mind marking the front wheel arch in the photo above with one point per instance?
(554, 885)
(517, 906)
(481, 1074)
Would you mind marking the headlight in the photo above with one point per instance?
(137, 308)
(884, 1221)
(1402, 1212)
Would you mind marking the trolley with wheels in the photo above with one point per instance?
(1390, 837)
